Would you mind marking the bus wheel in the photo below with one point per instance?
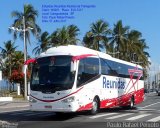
(131, 106)
(95, 107)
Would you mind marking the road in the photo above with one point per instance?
(148, 111)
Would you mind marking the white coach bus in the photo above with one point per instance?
(74, 78)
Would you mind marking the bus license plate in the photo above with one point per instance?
(48, 107)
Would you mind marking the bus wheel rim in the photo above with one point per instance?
(131, 103)
(94, 105)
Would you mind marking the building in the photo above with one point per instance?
(157, 80)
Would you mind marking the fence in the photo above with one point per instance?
(6, 87)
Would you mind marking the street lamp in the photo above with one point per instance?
(25, 50)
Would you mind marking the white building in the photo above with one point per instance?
(157, 79)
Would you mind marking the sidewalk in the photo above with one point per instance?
(14, 104)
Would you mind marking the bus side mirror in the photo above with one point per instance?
(26, 63)
(73, 66)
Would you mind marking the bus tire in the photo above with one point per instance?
(95, 107)
(131, 106)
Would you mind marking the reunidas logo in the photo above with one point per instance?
(115, 84)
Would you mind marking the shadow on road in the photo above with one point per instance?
(34, 116)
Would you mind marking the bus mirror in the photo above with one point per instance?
(26, 63)
(73, 67)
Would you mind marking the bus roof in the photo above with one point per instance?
(74, 50)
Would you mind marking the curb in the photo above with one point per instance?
(23, 106)
(23, 109)
(18, 102)
(3, 103)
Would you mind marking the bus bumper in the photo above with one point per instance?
(61, 107)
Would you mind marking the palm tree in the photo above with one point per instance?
(23, 21)
(7, 52)
(135, 48)
(131, 44)
(88, 40)
(65, 36)
(142, 55)
(18, 60)
(73, 33)
(97, 36)
(54, 39)
(119, 37)
(43, 44)
(62, 37)
(29, 14)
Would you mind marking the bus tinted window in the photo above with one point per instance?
(92, 66)
(104, 67)
(108, 67)
(52, 73)
(113, 68)
(88, 69)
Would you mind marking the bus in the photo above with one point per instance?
(75, 78)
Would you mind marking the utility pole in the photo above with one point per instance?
(25, 58)
(25, 51)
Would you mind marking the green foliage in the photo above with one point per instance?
(62, 36)
(65, 36)
(7, 52)
(30, 15)
(43, 43)
(96, 38)
(120, 42)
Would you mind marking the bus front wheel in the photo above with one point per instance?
(95, 106)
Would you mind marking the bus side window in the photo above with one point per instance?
(80, 72)
(108, 67)
(91, 68)
(88, 68)
(113, 70)
(104, 67)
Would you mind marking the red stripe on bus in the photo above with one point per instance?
(75, 58)
(123, 100)
(29, 61)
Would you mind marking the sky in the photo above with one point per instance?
(142, 15)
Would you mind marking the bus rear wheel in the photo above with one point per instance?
(131, 106)
(95, 106)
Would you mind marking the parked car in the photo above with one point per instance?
(146, 90)
(158, 91)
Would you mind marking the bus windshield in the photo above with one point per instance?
(53, 73)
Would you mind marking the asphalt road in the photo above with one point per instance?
(146, 114)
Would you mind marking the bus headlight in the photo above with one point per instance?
(32, 100)
(70, 99)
